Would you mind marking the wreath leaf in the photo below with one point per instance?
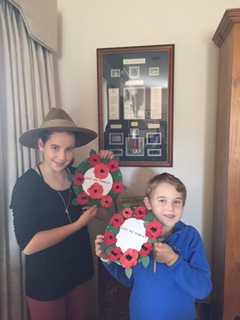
(128, 272)
(77, 189)
(145, 261)
(117, 176)
(108, 250)
(149, 217)
(74, 202)
(112, 229)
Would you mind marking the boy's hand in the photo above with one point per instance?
(165, 254)
(98, 244)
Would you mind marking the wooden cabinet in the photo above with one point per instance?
(112, 297)
(226, 224)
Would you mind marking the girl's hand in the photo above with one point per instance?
(87, 216)
(165, 254)
(98, 244)
(106, 154)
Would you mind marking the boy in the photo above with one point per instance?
(179, 272)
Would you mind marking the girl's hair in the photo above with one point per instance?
(166, 178)
(46, 134)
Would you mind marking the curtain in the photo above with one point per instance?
(26, 94)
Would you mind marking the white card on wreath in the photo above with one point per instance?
(132, 234)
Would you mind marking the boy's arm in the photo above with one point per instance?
(193, 274)
(115, 270)
(118, 273)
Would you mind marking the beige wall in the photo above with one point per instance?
(190, 25)
(41, 20)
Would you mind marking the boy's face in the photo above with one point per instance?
(167, 205)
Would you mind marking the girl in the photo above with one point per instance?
(51, 232)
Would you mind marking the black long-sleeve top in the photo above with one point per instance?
(52, 272)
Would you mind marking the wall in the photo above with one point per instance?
(34, 12)
(190, 25)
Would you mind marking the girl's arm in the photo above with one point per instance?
(48, 238)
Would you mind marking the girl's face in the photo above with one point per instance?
(58, 150)
(166, 203)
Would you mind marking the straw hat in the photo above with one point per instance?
(57, 119)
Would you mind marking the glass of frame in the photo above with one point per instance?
(135, 104)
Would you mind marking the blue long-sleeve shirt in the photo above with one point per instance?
(170, 292)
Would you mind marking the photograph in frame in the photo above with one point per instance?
(135, 103)
(154, 152)
(154, 71)
(113, 104)
(134, 146)
(115, 73)
(116, 138)
(154, 138)
(134, 72)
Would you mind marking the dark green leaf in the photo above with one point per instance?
(77, 190)
(149, 217)
(112, 229)
(108, 250)
(145, 261)
(74, 202)
(128, 272)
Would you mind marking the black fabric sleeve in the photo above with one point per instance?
(24, 208)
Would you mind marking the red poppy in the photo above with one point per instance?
(140, 213)
(94, 159)
(106, 202)
(146, 249)
(154, 230)
(101, 171)
(109, 238)
(113, 165)
(117, 187)
(129, 258)
(117, 220)
(95, 191)
(115, 254)
(127, 213)
(78, 179)
(82, 198)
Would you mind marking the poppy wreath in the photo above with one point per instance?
(97, 181)
(130, 257)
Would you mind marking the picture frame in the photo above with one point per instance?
(135, 104)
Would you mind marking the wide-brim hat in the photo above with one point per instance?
(57, 120)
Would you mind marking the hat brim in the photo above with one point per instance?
(83, 136)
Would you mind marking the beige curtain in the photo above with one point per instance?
(26, 94)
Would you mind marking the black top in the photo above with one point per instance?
(52, 272)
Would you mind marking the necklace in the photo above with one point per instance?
(66, 205)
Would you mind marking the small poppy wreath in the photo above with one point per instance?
(117, 242)
(97, 181)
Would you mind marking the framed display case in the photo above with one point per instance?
(135, 103)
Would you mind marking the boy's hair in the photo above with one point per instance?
(166, 178)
